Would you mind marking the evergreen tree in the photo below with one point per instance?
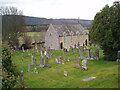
(106, 30)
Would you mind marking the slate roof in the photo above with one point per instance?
(68, 28)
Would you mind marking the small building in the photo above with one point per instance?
(59, 36)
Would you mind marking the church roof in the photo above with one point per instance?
(69, 29)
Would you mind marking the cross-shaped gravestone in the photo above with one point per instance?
(77, 62)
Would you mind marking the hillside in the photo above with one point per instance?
(35, 21)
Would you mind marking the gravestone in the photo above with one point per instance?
(90, 78)
(21, 79)
(54, 52)
(77, 62)
(71, 50)
(35, 70)
(41, 61)
(28, 67)
(92, 55)
(57, 61)
(84, 62)
(64, 56)
(65, 73)
(23, 49)
(33, 60)
(96, 54)
(118, 56)
(46, 62)
(88, 53)
(68, 59)
(22, 59)
(81, 52)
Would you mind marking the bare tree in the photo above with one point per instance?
(12, 25)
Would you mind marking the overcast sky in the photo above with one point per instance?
(84, 9)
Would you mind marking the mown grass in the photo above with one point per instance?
(106, 72)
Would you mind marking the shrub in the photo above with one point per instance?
(9, 72)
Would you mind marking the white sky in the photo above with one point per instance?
(84, 9)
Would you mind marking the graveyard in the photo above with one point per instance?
(66, 74)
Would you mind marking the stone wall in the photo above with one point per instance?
(51, 38)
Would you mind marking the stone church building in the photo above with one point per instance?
(59, 36)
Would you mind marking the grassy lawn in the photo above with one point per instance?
(37, 35)
(106, 72)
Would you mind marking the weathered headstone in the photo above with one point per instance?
(118, 56)
(88, 53)
(64, 56)
(23, 49)
(77, 62)
(57, 61)
(46, 63)
(84, 62)
(68, 59)
(81, 52)
(21, 79)
(35, 70)
(86, 79)
(41, 61)
(33, 60)
(71, 50)
(28, 67)
(65, 73)
(96, 54)
(54, 52)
